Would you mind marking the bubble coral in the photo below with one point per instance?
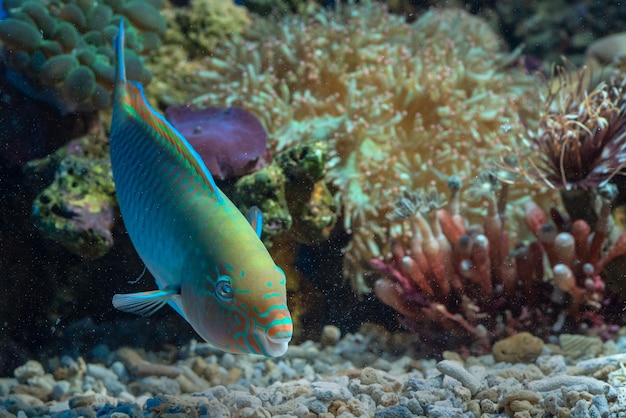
(61, 51)
(397, 103)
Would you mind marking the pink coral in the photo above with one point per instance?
(442, 273)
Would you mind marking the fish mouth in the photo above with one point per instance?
(273, 346)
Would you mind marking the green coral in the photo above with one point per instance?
(292, 195)
(77, 208)
(311, 205)
(266, 190)
(63, 49)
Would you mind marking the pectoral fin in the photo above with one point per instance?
(255, 217)
(144, 303)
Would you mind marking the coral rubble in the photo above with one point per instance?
(61, 51)
(266, 190)
(311, 204)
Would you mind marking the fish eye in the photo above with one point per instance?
(223, 289)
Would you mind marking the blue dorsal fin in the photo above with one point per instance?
(120, 68)
(129, 96)
(255, 217)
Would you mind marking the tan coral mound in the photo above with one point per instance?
(401, 105)
(200, 26)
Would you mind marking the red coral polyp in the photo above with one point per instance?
(442, 273)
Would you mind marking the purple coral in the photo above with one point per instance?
(232, 142)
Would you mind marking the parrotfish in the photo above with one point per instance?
(206, 257)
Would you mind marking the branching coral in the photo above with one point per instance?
(61, 51)
(443, 273)
(398, 103)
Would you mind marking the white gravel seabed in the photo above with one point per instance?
(353, 376)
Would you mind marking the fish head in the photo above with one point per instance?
(241, 310)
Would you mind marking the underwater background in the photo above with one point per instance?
(435, 178)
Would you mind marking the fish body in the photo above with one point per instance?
(206, 257)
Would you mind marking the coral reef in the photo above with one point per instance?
(398, 104)
(292, 195)
(266, 190)
(579, 149)
(199, 26)
(231, 142)
(551, 30)
(445, 274)
(282, 7)
(78, 207)
(311, 205)
(61, 51)
(547, 31)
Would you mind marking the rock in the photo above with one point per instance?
(29, 369)
(519, 348)
(100, 372)
(154, 385)
(60, 390)
(580, 347)
(31, 405)
(316, 406)
(458, 372)
(330, 391)
(396, 411)
(330, 336)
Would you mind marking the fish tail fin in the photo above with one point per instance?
(144, 303)
(120, 70)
